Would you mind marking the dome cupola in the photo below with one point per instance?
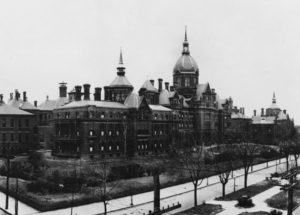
(185, 63)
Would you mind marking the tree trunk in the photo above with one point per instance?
(287, 163)
(223, 190)
(156, 192)
(105, 207)
(245, 179)
(296, 160)
(195, 194)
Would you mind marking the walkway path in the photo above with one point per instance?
(258, 200)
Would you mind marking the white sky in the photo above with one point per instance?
(244, 49)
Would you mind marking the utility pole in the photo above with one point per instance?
(290, 188)
(7, 175)
(17, 196)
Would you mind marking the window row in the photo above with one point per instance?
(11, 123)
(11, 137)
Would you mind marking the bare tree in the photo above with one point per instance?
(155, 166)
(286, 149)
(246, 152)
(193, 162)
(223, 165)
(101, 170)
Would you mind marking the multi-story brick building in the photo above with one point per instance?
(152, 121)
(16, 129)
(271, 126)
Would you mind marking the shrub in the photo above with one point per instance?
(72, 184)
(275, 212)
(245, 202)
(43, 186)
(275, 175)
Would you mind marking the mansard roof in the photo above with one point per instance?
(263, 120)
(86, 103)
(10, 110)
(159, 108)
(53, 104)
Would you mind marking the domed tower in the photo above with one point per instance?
(274, 109)
(120, 87)
(186, 72)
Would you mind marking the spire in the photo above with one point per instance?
(121, 67)
(185, 43)
(121, 57)
(185, 35)
(274, 98)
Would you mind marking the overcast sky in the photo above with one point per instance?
(244, 49)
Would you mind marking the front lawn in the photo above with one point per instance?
(279, 200)
(207, 209)
(249, 191)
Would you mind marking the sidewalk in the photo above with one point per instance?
(258, 200)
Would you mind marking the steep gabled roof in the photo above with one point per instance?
(201, 88)
(148, 86)
(132, 100)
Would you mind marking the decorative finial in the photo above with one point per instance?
(185, 50)
(274, 98)
(121, 67)
(121, 57)
(185, 34)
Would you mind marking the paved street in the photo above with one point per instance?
(143, 202)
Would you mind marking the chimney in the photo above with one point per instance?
(1, 99)
(97, 94)
(160, 84)
(11, 96)
(86, 88)
(35, 103)
(284, 111)
(241, 110)
(17, 94)
(254, 112)
(24, 96)
(62, 90)
(152, 82)
(213, 90)
(78, 93)
(167, 85)
(262, 112)
(171, 88)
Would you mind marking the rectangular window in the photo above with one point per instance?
(12, 123)
(187, 82)
(12, 137)
(3, 137)
(4, 123)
